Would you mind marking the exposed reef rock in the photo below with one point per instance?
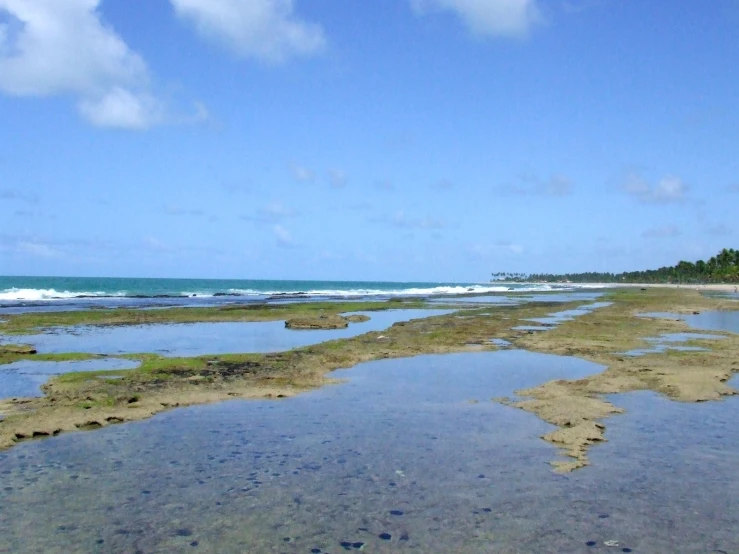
(323, 321)
(18, 349)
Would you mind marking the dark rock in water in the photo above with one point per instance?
(288, 295)
(218, 294)
(396, 512)
(327, 321)
(385, 536)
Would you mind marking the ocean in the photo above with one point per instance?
(45, 289)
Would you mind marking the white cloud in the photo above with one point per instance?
(283, 236)
(668, 190)
(443, 184)
(274, 211)
(13, 194)
(531, 185)
(56, 47)
(384, 184)
(720, 230)
(154, 244)
(271, 213)
(668, 231)
(495, 249)
(267, 30)
(505, 18)
(38, 249)
(122, 108)
(337, 178)
(402, 221)
(302, 174)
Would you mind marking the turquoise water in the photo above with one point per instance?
(45, 288)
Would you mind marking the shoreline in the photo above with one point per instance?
(577, 407)
(718, 287)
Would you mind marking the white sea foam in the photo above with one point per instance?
(26, 294)
(47, 294)
(413, 291)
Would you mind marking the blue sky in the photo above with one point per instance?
(428, 140)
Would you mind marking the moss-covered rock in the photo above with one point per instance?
(17, 349)
(320, 321)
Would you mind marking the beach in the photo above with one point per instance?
(630, 340)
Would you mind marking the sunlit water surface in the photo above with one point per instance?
(406, 455)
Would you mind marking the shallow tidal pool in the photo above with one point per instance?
(405, 455)
(196, 339)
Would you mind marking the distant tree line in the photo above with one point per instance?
(721, 268)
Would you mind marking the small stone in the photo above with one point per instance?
(611, 543)
(396, 512)
(385, 536)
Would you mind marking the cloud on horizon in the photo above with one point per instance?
(266, 30)
(488, 18)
